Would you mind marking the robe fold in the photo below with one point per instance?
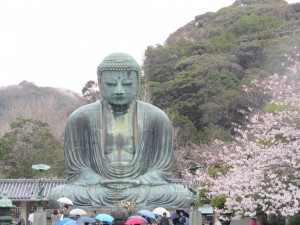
(145, 180)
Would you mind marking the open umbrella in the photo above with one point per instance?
(86, 219)
(79, 212)
(139, 217)
(65, 201)
(66, 221)
(175, 217)
(135, 221)
(160, 210)
(104, 217)
(186, 214)
(148, 214)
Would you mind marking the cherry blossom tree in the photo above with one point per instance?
(263, 162)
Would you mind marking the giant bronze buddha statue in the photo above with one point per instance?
(119, 148)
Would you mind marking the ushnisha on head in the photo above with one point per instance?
(118, 62)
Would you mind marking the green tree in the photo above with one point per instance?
(250, 2)
(30, 142)
(253, 24)
(91, 91)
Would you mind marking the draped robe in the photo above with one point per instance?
(151, 164)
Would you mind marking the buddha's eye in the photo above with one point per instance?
(127, 82)
(111, 83)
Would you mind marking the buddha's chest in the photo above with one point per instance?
(119, 138)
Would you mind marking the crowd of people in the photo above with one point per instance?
(180, 219)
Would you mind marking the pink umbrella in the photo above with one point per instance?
(135, 221)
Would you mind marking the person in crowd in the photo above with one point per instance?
(164, 219)
(253, 221)
(77, 217)
(55, 216)
(94, 214)
(20, 221)
(158, 218)
(175, 221)
(66, 211)
(182, 218)
(148, 219)
(217, 222)
(30, 218)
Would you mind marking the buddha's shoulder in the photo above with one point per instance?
(86, 110)
(152, 109)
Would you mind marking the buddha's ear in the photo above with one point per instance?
(139, 78)
(99, 84)
(100, 93)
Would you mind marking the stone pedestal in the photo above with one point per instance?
(195, 217)
(40, 218)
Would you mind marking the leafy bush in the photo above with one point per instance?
(254, 24)
(294, 220)
(217, 171)
(218, 201)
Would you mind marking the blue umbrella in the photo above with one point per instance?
(66, 221)
(149, 214)
(175, 218)
(174, 215)
(86, 219)
(104, 217)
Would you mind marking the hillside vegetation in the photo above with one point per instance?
(202, 66)
(26, 100)
(32, 121)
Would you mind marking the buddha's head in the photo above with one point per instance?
(119, 77)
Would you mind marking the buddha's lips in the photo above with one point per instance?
(119, 98)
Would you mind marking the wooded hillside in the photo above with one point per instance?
(32, 121)
(202, 66)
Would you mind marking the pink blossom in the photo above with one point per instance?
(264, 159)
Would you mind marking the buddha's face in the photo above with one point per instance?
(119, 88)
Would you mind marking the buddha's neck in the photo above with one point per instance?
(119, 110)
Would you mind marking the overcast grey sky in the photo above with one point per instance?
(59, 43)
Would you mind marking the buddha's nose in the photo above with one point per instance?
(119, 89)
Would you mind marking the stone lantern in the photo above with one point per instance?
(5, 207)
(39, 188)
(39, 216)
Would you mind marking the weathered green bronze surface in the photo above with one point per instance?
(5, 207)
(39, 188)
(119, 148)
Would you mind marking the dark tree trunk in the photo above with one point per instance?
(271, 220)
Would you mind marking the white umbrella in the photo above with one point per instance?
(79, 212)
(160, 211)
(65, 200)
